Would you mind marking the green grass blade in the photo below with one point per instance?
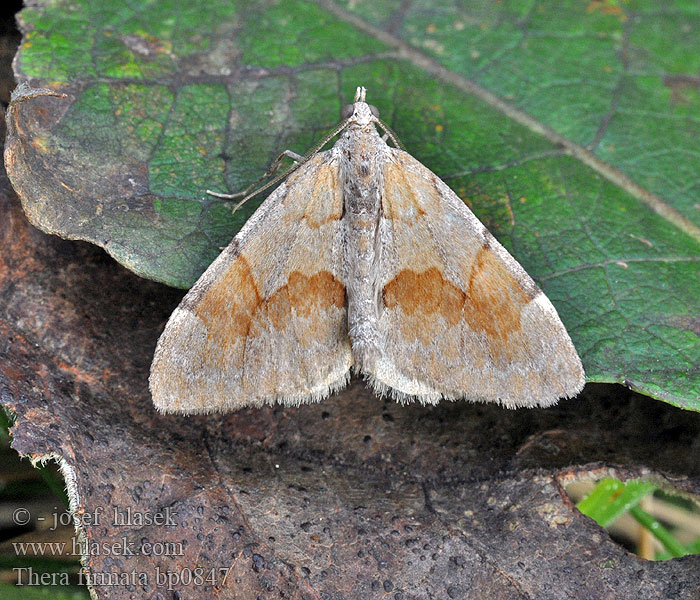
(674, 547)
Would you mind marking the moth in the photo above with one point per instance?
(364, 261)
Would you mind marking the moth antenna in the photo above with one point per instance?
(235, 208)
(392, 136)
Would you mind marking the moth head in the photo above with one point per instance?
(360, 112)
(349, 110)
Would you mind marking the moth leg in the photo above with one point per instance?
(385, 137)
(271, 170)
(298, 161)
(293, 155)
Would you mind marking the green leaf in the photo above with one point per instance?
(612, 498)
(570, 128)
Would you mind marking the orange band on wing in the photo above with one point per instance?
(306, 296)
(492, 302)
